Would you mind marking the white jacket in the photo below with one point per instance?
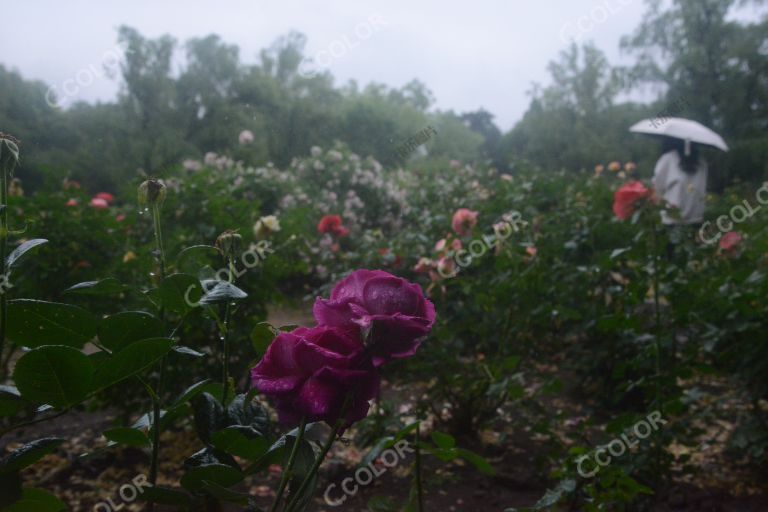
(687, 192)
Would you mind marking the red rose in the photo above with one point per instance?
(626, 198)
(332, 224)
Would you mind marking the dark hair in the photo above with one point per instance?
(690, 162)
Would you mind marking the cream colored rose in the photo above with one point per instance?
(265, 226)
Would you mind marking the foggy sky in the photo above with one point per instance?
(484, 53)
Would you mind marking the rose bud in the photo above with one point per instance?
(152, 193)
(229, 244)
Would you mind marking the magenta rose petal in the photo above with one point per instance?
(385, 296)
(277, 370)
(392, 314)
(326, 346)
(332, 313)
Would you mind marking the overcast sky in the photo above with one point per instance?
(484, 53)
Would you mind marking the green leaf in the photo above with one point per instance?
(37, 500)
(278, 452)
(241, 441)
(119, 330)
(108, 286)
(221, 293)
(443, 440)
(553, 496)
(261, 336)
(192, 391)
(380, 445)
(406, 430)
(54, 374)
(10, 401)
(618, 252)
(33, 323)
(22, 250)
(209, 416)
(180, 293)
(248, 413)
(187, 351)
(223, 493)
(131, 360)
(476, 460)
(28, 454)
(127, 436)
(219, 474)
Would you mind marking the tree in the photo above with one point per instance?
(696, 51)
(149, 97)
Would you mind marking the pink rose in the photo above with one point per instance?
(105, 196)
(464, 221)
(72, 202)
(730, 242)
(99, 203)
(309, 372)
(390, 313)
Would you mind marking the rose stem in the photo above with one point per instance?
(419, 489)
(225, 342)
(657, 345)
(289, 466)
(157, 398)
(326, 447)
(4, 248)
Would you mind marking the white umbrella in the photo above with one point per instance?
(679, 128)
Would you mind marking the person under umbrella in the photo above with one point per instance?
(680, 175)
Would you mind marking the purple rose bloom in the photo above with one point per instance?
(389, 311)
(309, 372)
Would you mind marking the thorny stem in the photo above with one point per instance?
(287, 472)
(321, 457)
